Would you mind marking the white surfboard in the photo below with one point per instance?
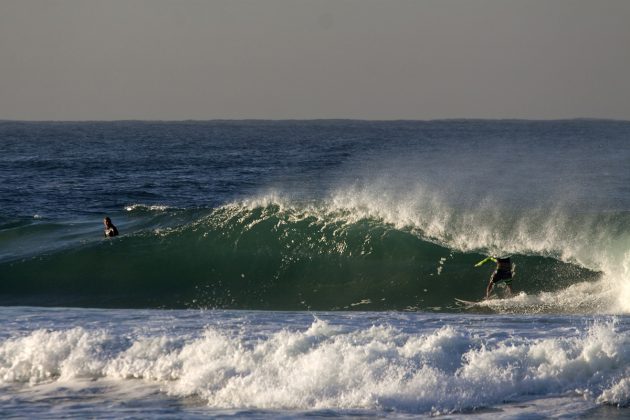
(466, 302)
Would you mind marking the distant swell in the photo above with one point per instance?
(268, 256)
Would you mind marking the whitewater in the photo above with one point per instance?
(300, 268)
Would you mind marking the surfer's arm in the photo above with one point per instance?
(485, 260)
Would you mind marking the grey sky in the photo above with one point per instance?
(368, 59)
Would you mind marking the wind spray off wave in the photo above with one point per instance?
(594, 240)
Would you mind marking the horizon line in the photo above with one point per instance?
(194, 120)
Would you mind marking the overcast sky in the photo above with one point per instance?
(366, 59)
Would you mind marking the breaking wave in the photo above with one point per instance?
(325, 366)
(355, 250)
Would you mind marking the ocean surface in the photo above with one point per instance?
(310, 268)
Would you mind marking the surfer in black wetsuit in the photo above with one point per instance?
(503, 273)
(110, 229)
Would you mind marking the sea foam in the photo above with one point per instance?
(448, 369)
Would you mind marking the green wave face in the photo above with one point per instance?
(269, 256)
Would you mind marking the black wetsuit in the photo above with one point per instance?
(111, 231)
(503, 271)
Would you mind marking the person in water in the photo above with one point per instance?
(503, 273)
(110, 229)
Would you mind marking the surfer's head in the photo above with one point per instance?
(107, 221)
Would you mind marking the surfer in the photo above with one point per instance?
(502, 273)
(110, 229)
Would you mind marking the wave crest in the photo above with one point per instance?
(274, 253)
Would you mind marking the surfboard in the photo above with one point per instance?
(471, 303)
(466, 302)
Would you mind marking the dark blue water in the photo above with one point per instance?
(70, 169)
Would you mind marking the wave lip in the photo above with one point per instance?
(146, 207)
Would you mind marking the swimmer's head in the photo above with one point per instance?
(107, 221)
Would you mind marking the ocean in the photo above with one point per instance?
(289, 269)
